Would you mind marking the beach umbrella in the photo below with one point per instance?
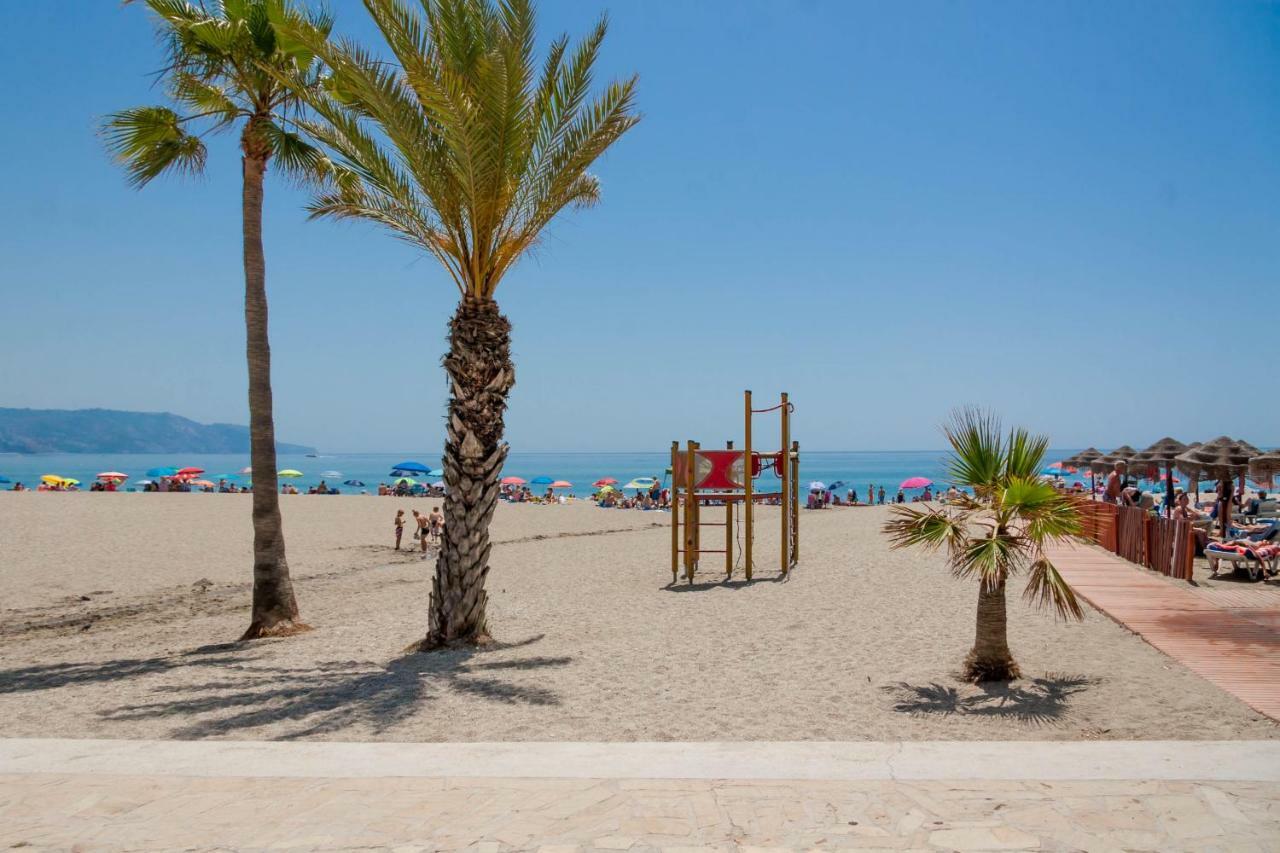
(562, 484)
(542, 481)
(4, 479)
(162, 472)
(189, 472)
(112, 475)
(605, 481)
(1264, 467)
(204, 484)
(411, 466)
(355, 483)
(1223, 459)
(406, 481)
(1123, 453)
(245, 470)
(51, 479)
(817, 486)
(511, 481)
(290, 473)
(1163, 452)
(331, 475)
(439, 484)
(70, 481)
(144, 483)
(1084, 459)
(641, 483)
(436, 472)
(915, 483)
(607, 488)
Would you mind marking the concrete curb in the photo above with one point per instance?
(1257, 761)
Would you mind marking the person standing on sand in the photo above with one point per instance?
(424, 528)
(881, 495)
(399, 527)
(436, 523)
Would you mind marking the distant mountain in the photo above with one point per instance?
(109, 431)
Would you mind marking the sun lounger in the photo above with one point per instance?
(1258, 560)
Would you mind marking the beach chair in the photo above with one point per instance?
(1257, 567)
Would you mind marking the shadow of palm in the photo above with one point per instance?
(1037, 700)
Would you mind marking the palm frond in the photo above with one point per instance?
(149, 141)
(1046, 588)
(990, 559)
(301, 161)
(1024, 453)
(910, 526)
(977, 460)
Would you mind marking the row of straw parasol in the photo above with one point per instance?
(1223, 459)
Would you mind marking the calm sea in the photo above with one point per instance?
(856, 469)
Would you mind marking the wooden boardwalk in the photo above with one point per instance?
(1229, 637)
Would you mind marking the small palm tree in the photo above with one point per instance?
(219, 75)
(998, 531)
(465, 149)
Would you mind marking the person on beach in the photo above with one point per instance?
(881, 495)
(424, 529)
(1116, 483)
(399, 527)
(435, 522)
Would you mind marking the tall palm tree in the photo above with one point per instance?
(218, 75)
(998, 531)
(464, 148)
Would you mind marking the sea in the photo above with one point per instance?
(842, 469)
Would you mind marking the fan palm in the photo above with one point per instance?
(997, 532)
(466, 149)
(219, 75)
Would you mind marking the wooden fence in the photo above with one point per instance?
(1159, 544)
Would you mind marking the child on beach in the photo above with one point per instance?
(399, 527)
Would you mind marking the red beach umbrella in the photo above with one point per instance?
(562, 484)
(605, 481)
(189, 472)
(112, 475)
(512, 481)
(915, 483)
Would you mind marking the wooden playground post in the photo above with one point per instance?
(690, 513)
(728, 530)
(675, 514)
(795, 503)
(748, 511)
(784, 469)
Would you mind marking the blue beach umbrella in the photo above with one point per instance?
(542, 481)
(436, 472)
(413, 467)
(5, 480)
(355, 483)
(162, 472)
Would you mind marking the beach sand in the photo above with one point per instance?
(118, 616)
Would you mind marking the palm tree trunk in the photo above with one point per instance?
(275, 610)
(990, 659)
(481, 376)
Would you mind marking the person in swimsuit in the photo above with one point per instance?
(399, 527)
(880, 494)
(436, 522)
(1117, 482)
(424, 528)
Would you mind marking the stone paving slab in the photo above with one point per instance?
(91, 812)
(225, 795)
(865, 760)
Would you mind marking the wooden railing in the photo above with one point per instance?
(1159, 544)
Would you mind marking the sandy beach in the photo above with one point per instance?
(120, 612)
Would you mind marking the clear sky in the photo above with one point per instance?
(1068, 212)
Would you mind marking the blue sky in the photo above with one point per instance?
(1068, 212)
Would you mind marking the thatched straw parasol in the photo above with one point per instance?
(1083, 460)
(1265, 466)
(1223, 459)
(1163, 452)
(1123, 453)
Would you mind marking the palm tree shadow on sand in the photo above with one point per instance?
(243, 694)
(1041, 701)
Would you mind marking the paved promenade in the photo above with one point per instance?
(144, 795)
